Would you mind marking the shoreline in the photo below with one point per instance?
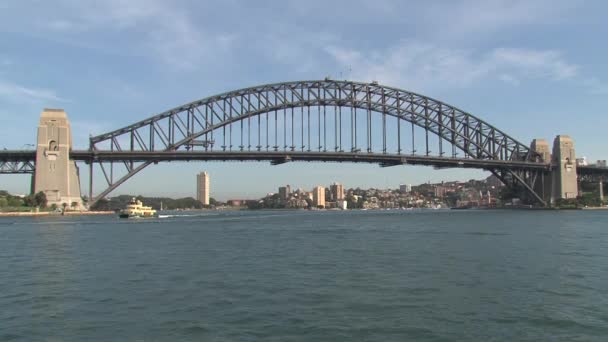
(51, 213)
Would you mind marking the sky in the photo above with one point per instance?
(534, 69)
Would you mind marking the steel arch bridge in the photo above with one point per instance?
(322, 120)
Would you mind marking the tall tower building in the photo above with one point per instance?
(202, 188)
(284, 192)
(337, 192)
(318, 196)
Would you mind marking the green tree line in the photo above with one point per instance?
(16, 202)
(120, 202)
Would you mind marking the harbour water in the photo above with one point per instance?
(435, 275)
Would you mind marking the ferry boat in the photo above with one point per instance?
(136, 209)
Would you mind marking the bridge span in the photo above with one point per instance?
(322, 120)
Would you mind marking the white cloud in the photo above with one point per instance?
(158, 29)
(542, 63)
(12, 91)
(427, 66)
(474, 19)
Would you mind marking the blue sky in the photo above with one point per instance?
(532, 68)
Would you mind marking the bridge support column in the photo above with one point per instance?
(562, 181)
(56, 175)
(543, 186)
(564, 178)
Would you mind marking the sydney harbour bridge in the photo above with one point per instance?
(315, 121)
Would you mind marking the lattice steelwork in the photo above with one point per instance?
(8, 167)
(328, 116)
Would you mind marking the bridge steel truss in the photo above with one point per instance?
(17, 167)
(17, 161)
(343, 120)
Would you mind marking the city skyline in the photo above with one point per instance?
(492, 62)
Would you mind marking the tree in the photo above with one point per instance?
(564, 203)
(64, 205)
(452, 198)
(589, 200)
(14, 201)
(29, 201)
(40, 199)
(101, 205)
(74, 205)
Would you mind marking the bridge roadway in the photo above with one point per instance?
(279, 157)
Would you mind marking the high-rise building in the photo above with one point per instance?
(337, 192)
(318, 196)
(284, 192)
(202, 188)
(405, 188)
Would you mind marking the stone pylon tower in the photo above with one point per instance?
(543, 186)
(541, 146)
(564, 178)
(56, 175)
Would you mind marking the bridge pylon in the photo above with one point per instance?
(564, 177)
(543, 186)
(561, 182)
(56, 175)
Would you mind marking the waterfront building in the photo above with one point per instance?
(582, 161)
(440, 191)
(405, 188)
(202, 188)
(284, 192)
(318, 196)
(236, 202)
(309, 195)
(337, 192)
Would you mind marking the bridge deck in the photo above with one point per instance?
(279, 157)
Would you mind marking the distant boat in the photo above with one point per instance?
(136, 209)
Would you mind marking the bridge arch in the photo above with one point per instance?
(183, 127)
